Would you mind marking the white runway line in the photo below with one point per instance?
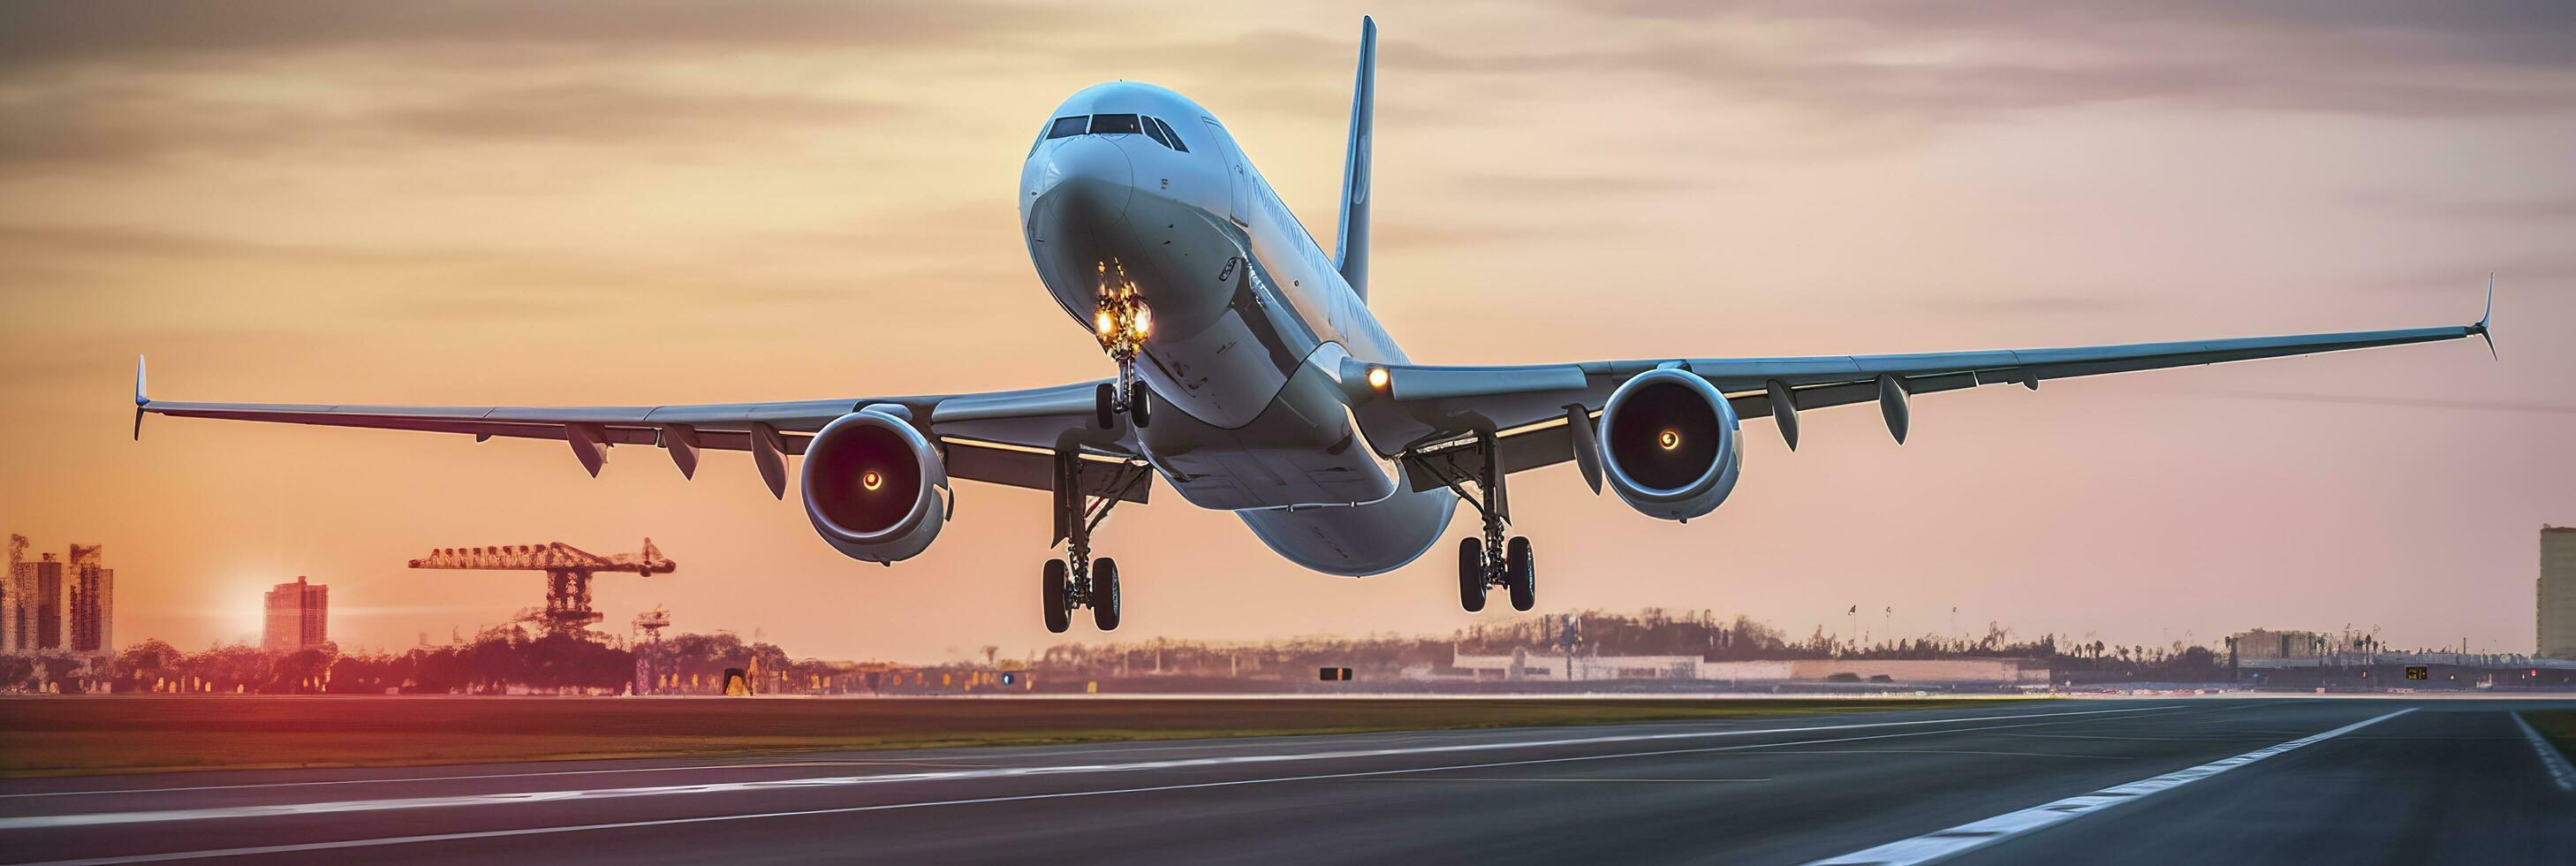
(391, 780)
(2559, 772)
(985, 756)
(1943, 845)
(881, 807)
(33, 822)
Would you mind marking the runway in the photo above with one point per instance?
(2134, 780)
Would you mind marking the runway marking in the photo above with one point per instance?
(521, 797)
(1962, 752)
(1017, 798)
(1943, 845)
(401, 779)
(2550, 759)
(965, 761)
(2129, 739)
(1552, 779)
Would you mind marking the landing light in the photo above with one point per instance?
(871, 480)
(1119, 317)
(1669, 439)
(1377, 378)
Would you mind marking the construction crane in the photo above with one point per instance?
(568, 571)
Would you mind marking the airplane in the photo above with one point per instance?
(1251, 377)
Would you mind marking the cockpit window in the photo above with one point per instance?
(1114, 124)
(1170, 138)
(1108, 124)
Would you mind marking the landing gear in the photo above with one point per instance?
(1137, 404)
(1104, 594)
(1122, 321)
(1520, 574)
(1489, 561)
(1471, 574)
(1078, 580)
(1051, 591)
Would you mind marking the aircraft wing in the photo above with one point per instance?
(1002, 437)
(1530, 408)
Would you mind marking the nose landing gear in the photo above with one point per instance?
(1122, 321)
(1078, 580)
(1489, 561)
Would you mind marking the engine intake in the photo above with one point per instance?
(1670, 444)
(875, 486)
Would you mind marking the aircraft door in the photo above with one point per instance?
(1238, 176)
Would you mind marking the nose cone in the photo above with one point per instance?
(1083, 180)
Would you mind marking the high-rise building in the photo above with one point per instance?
(2557, 591)
(93, 601)
(43, 604)
(11, 593)
(298, 616)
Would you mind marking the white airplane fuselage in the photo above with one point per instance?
(1250, 323)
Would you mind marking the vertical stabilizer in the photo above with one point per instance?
(1350, 249)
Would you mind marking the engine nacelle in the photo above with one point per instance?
(874, 486)
(1670, 444)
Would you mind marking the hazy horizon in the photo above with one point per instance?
(567, 203)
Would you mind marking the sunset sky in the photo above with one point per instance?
(566, 203)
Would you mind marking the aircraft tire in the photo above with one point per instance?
(1059, 616)
(1520, 573)
(1104, 593)
(1104, 406)
(1471, 574)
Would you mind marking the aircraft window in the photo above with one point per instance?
(1175, 138)
(1066, 127)
(1105, 124)
(1154, 131)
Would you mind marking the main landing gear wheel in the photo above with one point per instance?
(1520, 574)
(1051, 591)
(1085, 489)
(1471, 574)
(1488, 560)
(1104, 594)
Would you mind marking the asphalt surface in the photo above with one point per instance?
(2138, 780)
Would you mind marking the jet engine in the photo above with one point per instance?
(1670, 444)
(875, 486)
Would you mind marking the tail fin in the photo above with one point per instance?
(1350, 250)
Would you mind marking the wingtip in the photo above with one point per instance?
(139, 398)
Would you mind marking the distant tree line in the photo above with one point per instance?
(1651, 632)
(504, 659)
(516, 658)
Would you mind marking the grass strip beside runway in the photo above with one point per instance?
(93, 735)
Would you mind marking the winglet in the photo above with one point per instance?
(140, 401)
(2482, 329)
